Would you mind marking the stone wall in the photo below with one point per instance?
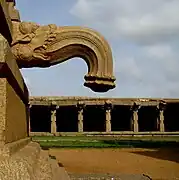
(16, 114)
(13, 97)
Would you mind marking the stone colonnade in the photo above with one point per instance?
(160, 120)
(108, 106)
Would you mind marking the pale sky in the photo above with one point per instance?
(143, 35)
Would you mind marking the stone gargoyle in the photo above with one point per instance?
(43, 46)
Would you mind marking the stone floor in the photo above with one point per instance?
(159, 164)
(108, 177)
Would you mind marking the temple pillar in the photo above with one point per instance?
(160, 124)
(108, 108)
(80, 107)
(108, 120)
(53, 121)
(161, 121)
(134, 119)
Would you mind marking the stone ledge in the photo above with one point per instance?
(20, 165)
(114, 133)
(29, 163)
(10, 148)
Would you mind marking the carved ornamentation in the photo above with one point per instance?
(162, 106)
(108, 105)
(136, 106)
(43, 46)
(80, 106)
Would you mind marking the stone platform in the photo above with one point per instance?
(30, 163)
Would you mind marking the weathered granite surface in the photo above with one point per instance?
(30, 163)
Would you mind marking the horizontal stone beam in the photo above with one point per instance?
(87, 102)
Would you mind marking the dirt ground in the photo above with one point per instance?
(157, 163)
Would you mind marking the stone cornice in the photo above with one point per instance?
(70, 100)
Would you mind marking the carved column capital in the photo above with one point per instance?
(54, 106)
(161, 106)
(80, 105)
(54, 110)
(53, 103)
(108, 105)
(136, 106)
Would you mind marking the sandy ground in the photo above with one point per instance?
(157, 163)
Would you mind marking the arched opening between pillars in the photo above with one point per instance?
(40, 118)
(120, 118)
(94, 119)
(67, 119)
(147, 118)
(171, 117)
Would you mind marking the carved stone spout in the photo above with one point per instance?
(43, 46)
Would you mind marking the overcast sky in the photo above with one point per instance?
(143, 35)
